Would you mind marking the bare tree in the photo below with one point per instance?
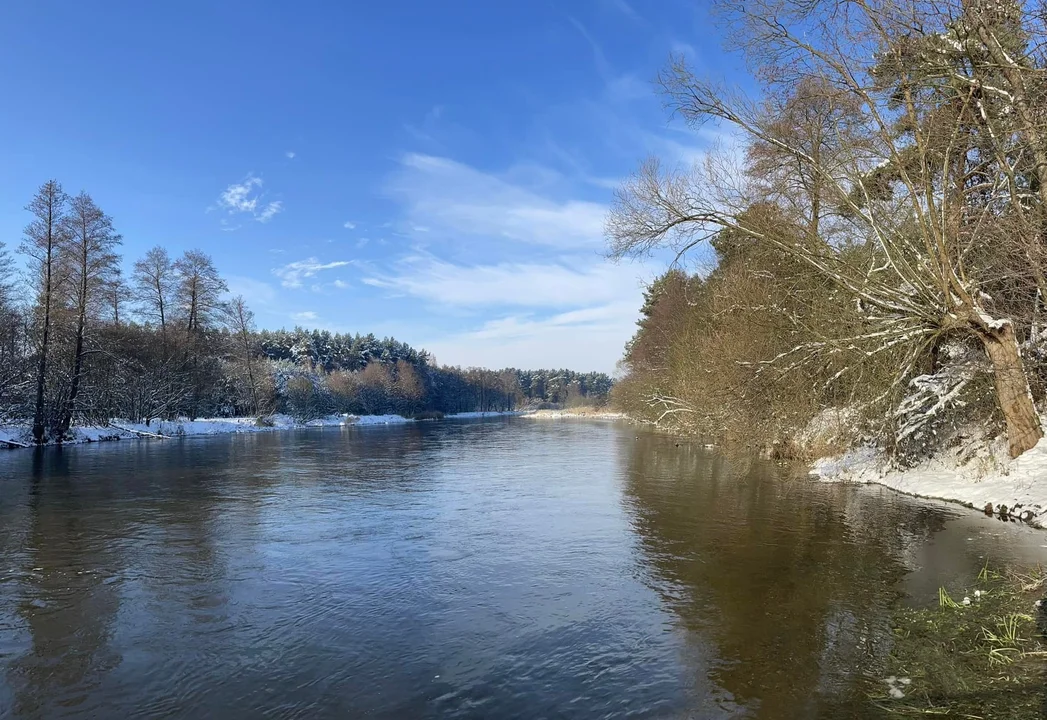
(6, 277)
(199, 291)
(930, 161)
(42, 243)
(198, 298)
(89, 253)
(154, 281)
(241, 322)
(11, 365)
(116, 293)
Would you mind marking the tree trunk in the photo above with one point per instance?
(1012, 389)
(163, 319)
(41, 370)
(41, 377)
(250, 372)
(74, 383)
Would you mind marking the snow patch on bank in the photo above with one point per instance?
(21, 435)
(586, 414)
(231, 426)
(975, 478)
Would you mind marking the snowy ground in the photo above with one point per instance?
(587, 413)
(19, 435)
(980, 479)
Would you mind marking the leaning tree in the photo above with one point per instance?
(908, 139)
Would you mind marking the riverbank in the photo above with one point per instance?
(978, 475)
(976, 471)
(19, 436)
(583, 412)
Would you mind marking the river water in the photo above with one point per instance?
(491, 569)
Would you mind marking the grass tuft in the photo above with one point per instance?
(985, 659)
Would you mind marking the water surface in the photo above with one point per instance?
(507, 568)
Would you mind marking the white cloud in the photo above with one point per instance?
(292, 274)
(269, 211)
(577, 311)
(458, 201)
(255, 292)
(245, 198)
(349, 225)
(624, 88)
(571, 282)
(362, 242)
(307, 316)
(623, 7)
(340, 284)
(603, 67)
(238, 196)
(589, 339)
(290, 154)
(678, 47)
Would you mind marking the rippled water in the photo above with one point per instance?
(493, 569)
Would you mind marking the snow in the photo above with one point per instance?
(989, 477)
(896, 686)
(587, 414)
(20, 436)
(829, 427)
(14, 436)
(370, 420)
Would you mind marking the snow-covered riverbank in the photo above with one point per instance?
(586, 413)
(977, 479)
(19, 435)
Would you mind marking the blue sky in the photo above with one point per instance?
(436, 171)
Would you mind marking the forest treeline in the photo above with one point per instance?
(876, 221)
(81, 342)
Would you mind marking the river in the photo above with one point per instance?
(506, 568)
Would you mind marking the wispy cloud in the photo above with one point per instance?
(255, 292)
(624, 8)
(678, 47)
(460, 201)
(586, 339)
(239, 197)
(566, 284)
(599, 57)
(245, 198)
(628, 87)
(290, 154)
(305, 316)
(426, 131)
(292, 274)
(349, 225)
(269, 211)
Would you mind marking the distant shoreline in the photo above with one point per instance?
(582, 412)
(19, 436)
